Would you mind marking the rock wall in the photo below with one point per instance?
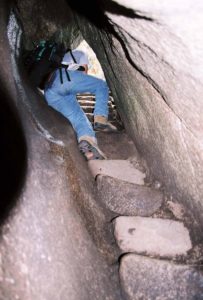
(53, 241)
(158, 90)
(45, 20)
(156, 80)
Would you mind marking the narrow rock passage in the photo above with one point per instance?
(152, 270)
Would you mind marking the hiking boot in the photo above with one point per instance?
(101, 124)
(90, 149)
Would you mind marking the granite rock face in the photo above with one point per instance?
(144, 278)
(124, 198)
(46, 250)
(51, 242)
(56, 228)
(118, 169)
(158, 92)
(152, 236)
(48, 20)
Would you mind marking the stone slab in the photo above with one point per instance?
(158, 95)
(144, 278)
(120, 169)
(118, 146)
(125, 198)
(159, 237)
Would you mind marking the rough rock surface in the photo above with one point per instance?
(46, 238)
(117, 146)
(158, 94)
(51, 245)
(144, 278)
(120, 169)
(45, 20)
(129, 199)
(159, 237)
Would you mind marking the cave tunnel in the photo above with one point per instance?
(127, 227)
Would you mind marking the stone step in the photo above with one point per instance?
(89, 102)
(90, 109)
(152, 236)
(144, 278)
(120, 169)
(91, 99)
(90, 117)
(125, 198)
(89, 95)
(111, 118)
(86, 103)
(85, 96)
(117, 146)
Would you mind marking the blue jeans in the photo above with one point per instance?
(62, 97)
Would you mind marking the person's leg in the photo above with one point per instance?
(68, 106)
(86, 83)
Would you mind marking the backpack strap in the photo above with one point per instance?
(71, 53)
(67, 74)
(65, 67)
(61, 75)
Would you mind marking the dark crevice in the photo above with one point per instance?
(107, 56)
(95, 12)
(103, 23)
(118, 9)
(13, 157)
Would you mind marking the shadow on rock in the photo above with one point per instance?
(13, 154)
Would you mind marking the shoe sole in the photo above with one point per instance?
(90, 152)
(105, 129)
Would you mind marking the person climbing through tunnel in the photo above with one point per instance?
(62, 97)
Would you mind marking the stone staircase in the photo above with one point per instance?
(155, 247)
(87, 102)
